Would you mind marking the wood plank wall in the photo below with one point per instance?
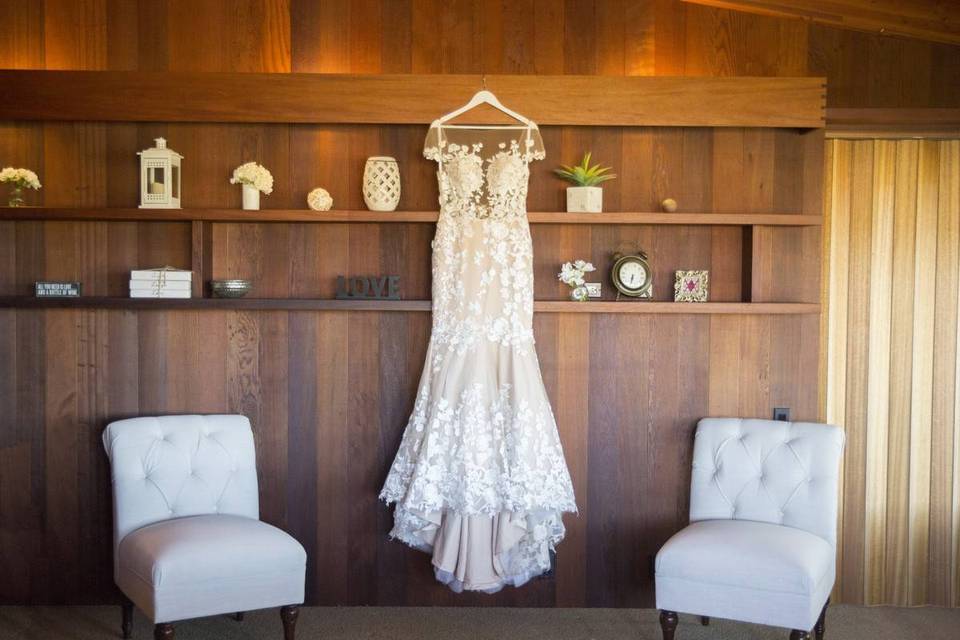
(329, 392)
(892, 376)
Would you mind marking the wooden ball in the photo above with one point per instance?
(669, 205)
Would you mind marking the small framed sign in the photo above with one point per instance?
(594, 289)
(57, 289)
(368, 288)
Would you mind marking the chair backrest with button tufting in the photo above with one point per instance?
(767, 471)
(175, 466)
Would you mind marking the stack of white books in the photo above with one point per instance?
(165, 282)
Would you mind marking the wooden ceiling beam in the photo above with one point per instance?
(937, 21)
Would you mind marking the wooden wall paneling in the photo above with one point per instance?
(61, 572)
(878, 364)
(201, 257)
(898, 408)
(922, 378)
(901, 330)
(572, 403)
(838, 182)
(952, 195)
(363, 398)
(873, 70)
(861, 200)
(727, 185)
(726, 43)
(323, 451)
(944, 379)
(608, 480)
(315, 428)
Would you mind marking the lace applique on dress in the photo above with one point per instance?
(481, 450)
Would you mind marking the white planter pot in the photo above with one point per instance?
(251, 198)
(584, 199)
(381, 183)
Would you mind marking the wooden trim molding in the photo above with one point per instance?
(362, 215)
(866, 122)
(128, 96)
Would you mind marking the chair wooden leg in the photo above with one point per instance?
(238, 616)
(796, 634)
(163, 631)
(289, 617)
(705, 620)
(126, 619)
(668, 624)
(821, 627)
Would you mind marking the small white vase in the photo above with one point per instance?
(381, 183)
(584, 199)
(251, 198)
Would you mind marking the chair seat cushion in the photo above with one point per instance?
(205, 565)
(751, 571)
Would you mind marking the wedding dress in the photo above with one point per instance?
(479, 480)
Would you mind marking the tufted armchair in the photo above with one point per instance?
(188, 541)
(761, 544)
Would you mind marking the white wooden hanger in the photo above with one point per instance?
(484, 97)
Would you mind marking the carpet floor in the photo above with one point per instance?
(387, 623)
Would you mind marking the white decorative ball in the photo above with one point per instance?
(319, 200)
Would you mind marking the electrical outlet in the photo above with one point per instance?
(781, 413)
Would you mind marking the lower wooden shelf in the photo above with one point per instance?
(312, 304)
(361, 216)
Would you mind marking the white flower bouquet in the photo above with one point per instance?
(573, 274)
(255, 175)
(20, 179)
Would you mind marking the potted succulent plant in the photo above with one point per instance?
(586, 196)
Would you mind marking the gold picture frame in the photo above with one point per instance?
(692, 286)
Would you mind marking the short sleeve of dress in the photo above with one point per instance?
(431, 145)
(534, 146)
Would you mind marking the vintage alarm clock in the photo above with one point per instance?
(631, 275)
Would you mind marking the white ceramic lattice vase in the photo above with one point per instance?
(381, 183)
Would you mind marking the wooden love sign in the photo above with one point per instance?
(368, 288)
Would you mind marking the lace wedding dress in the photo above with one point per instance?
(480, 481)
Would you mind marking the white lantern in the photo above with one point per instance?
(159, 177)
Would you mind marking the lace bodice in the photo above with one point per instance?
(482, 253)
(483, 173)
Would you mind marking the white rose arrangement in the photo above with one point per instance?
(573, 274)
(20, 179)
(255, 175)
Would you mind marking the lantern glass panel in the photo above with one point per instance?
(155, 180)
(175, 180)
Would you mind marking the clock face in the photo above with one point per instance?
(633, 275)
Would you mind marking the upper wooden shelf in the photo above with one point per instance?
(305, 215)
(310, 304)
(138, 96)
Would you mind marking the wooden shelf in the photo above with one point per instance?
(362, 216)
(309, 304)
(176, 96)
